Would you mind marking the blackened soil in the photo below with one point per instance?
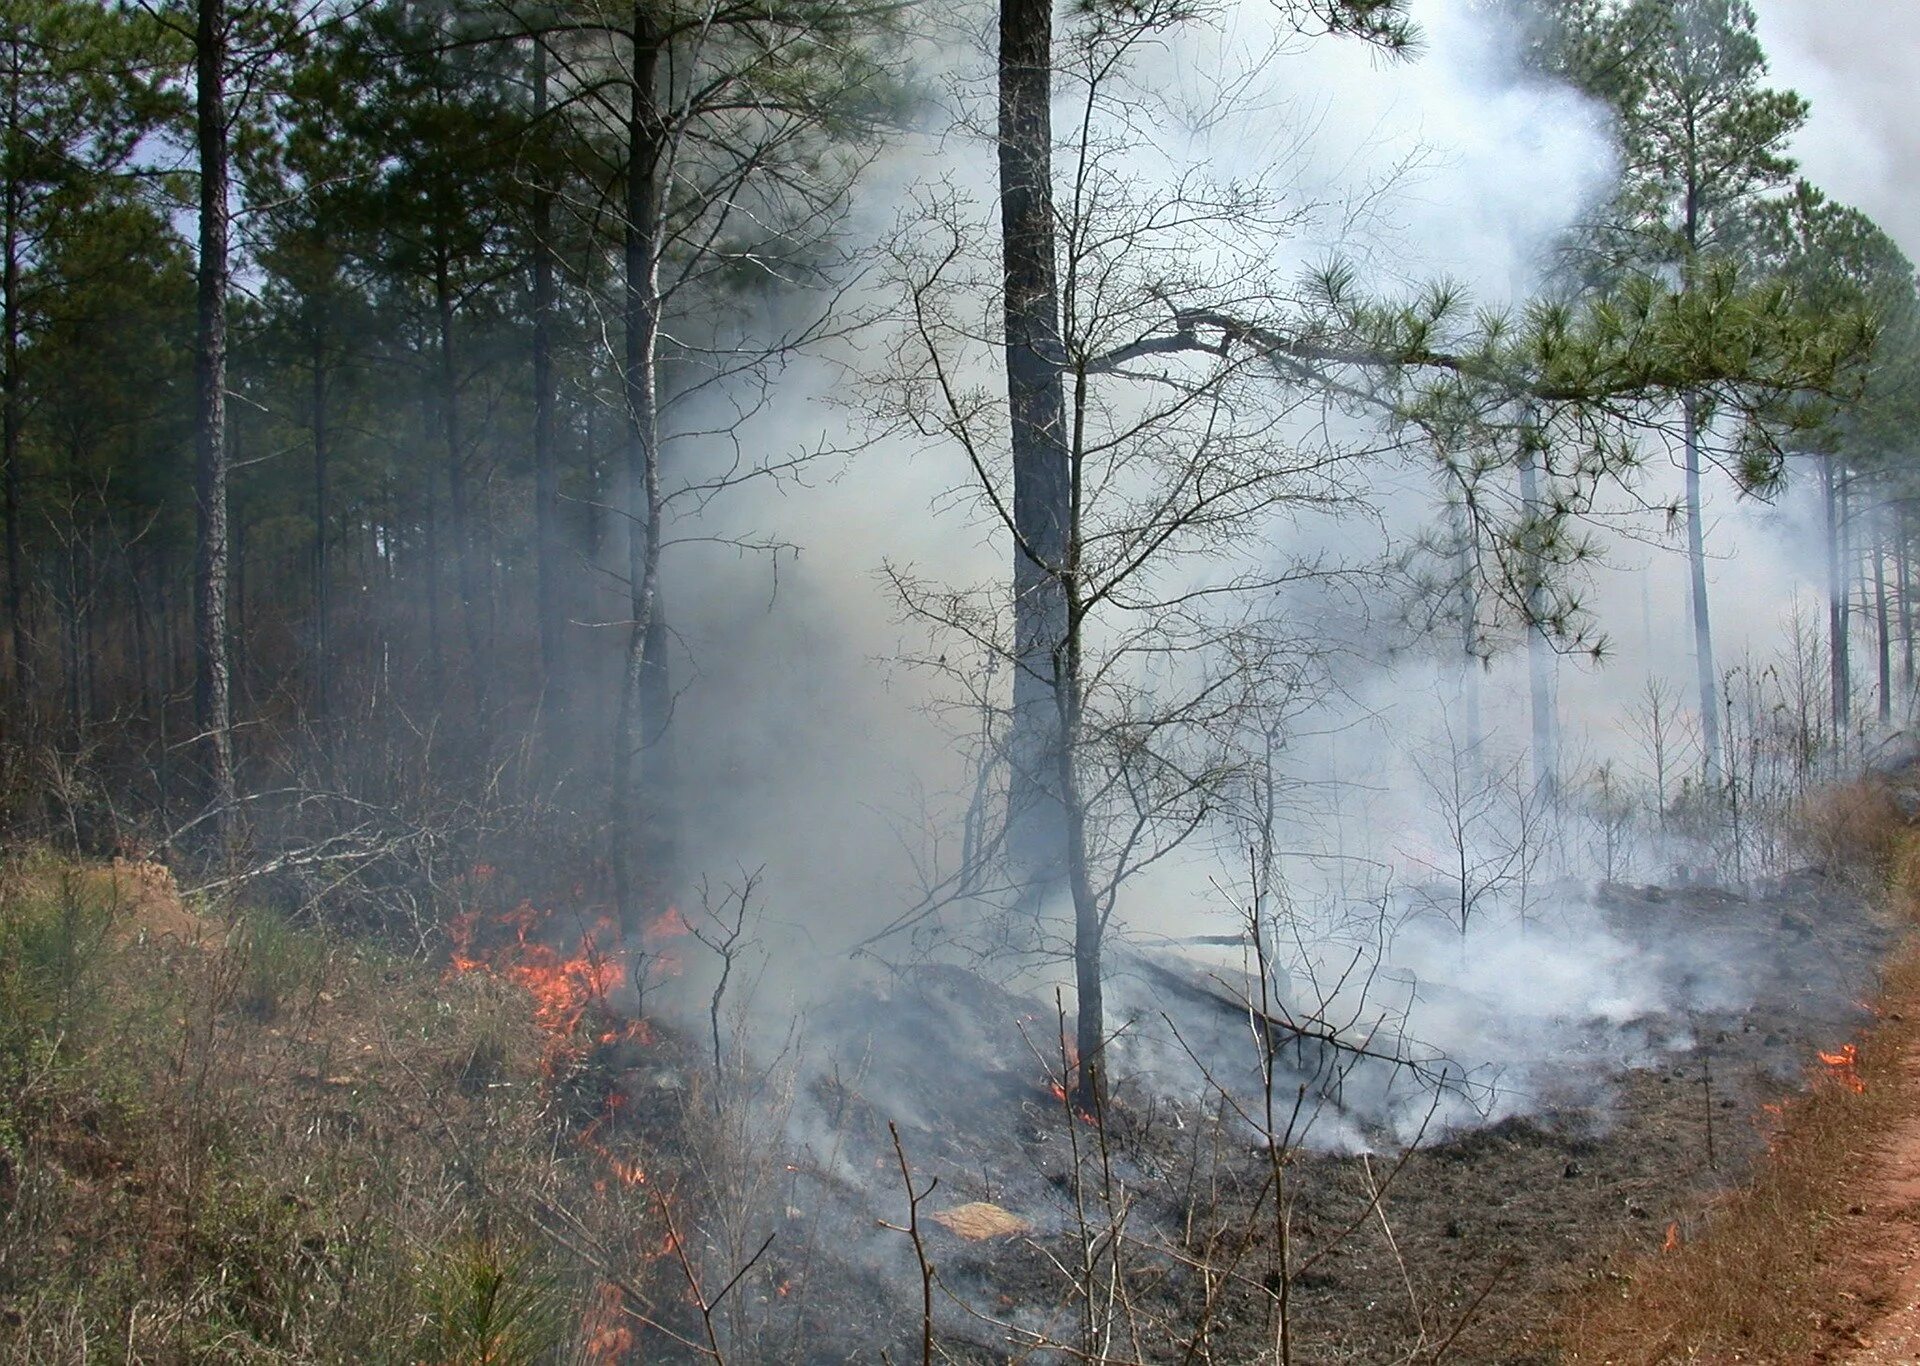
(1464, 1248)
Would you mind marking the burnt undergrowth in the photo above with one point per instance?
(420, 1112)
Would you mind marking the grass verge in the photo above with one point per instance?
(226, 1138)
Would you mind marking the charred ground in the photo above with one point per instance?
(302, 1147)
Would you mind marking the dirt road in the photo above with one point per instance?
(1877, 1244)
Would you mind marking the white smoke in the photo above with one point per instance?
(814, 754)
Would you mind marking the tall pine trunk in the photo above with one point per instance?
(212, 683)
(1903, 578)
(72, 655)
(546, 470)
(1882, 636)
(1839, 685)
(322, 515)
(1707, 673)
(466, 577)
(10, 212)
(1037, 827)
(640, 385)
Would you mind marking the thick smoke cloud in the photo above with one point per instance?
(1855, 61)
(813, 753)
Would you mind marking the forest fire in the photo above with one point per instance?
(1057, 1087)
(625, 1171)
(569, 991)
(1080, 1112)
(607, 1333)
(1843, 1067)
(564, 986)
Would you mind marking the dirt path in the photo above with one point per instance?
(1876, 1242)
(1879, 1240)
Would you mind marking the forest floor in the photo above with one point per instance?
(1483, 1246)
(1813, 1256)
(225, 1138)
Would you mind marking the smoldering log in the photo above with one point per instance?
(1320, 1054)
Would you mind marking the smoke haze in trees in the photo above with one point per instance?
(1855, 61)
(811, 750)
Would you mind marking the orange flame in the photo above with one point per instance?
(1080, 1112)
(626, 1171)
(1843, 1067)
(1770, 1122)
(608, 1338)
(564, 986)
(568, 988)
(1672, 1243)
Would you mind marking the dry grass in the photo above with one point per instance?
(1763, 1281)
(1856, 830)
(224, 1138)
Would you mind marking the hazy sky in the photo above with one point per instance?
(1859, 62)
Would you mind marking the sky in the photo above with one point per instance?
(1857, 61)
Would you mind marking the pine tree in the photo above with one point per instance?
(1840, 261)
(75, 101)
(1701, 138)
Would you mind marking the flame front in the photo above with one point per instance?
(608, 1336)
(564, 986)
(1844, 1067)
(569, 991)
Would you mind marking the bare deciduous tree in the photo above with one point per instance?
(1143, 609)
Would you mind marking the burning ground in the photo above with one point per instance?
(1473, 1239)
(936, 1135)
(292, 1144)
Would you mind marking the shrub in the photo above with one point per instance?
(492, 1306)
(278, 964)
(1855, 831)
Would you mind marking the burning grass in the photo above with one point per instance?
(224, 1137)
(237, 1139)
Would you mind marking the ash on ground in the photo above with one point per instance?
(1513, 1196)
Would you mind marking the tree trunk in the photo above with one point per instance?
(1546, 758)
(640, 381)
(10, 211)
(546, 471)
(322, 515)
(169, 638)
(142, 628)
(1903, 565)
(1882, 636)
(239, 655)
(1708, 674)
(1089, 927)
(430, 537)
(465, 575)
(1839, 684)
(1036, 402)
(70, 609)
(212, 702)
